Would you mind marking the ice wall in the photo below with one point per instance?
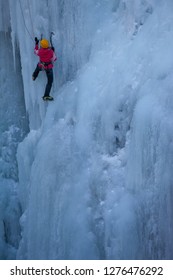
(13, 128)
(96, 165)
(73, 23)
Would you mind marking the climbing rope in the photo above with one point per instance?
(25, 22)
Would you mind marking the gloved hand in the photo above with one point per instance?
(36, 41)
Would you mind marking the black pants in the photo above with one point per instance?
(49, 74)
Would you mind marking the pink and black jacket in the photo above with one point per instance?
(47, 57)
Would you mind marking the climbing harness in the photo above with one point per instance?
(25, 22)
(45, 65)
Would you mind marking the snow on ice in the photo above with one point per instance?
(88, 176)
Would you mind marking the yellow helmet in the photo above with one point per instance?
(44, 43)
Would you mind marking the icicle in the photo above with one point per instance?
(13, 17)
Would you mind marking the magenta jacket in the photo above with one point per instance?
(47, 57)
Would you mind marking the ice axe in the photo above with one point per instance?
(51, 34)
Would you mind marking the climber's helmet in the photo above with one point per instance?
(44, 43)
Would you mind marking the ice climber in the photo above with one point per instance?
(47, 57)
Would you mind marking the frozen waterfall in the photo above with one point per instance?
(88, 176)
